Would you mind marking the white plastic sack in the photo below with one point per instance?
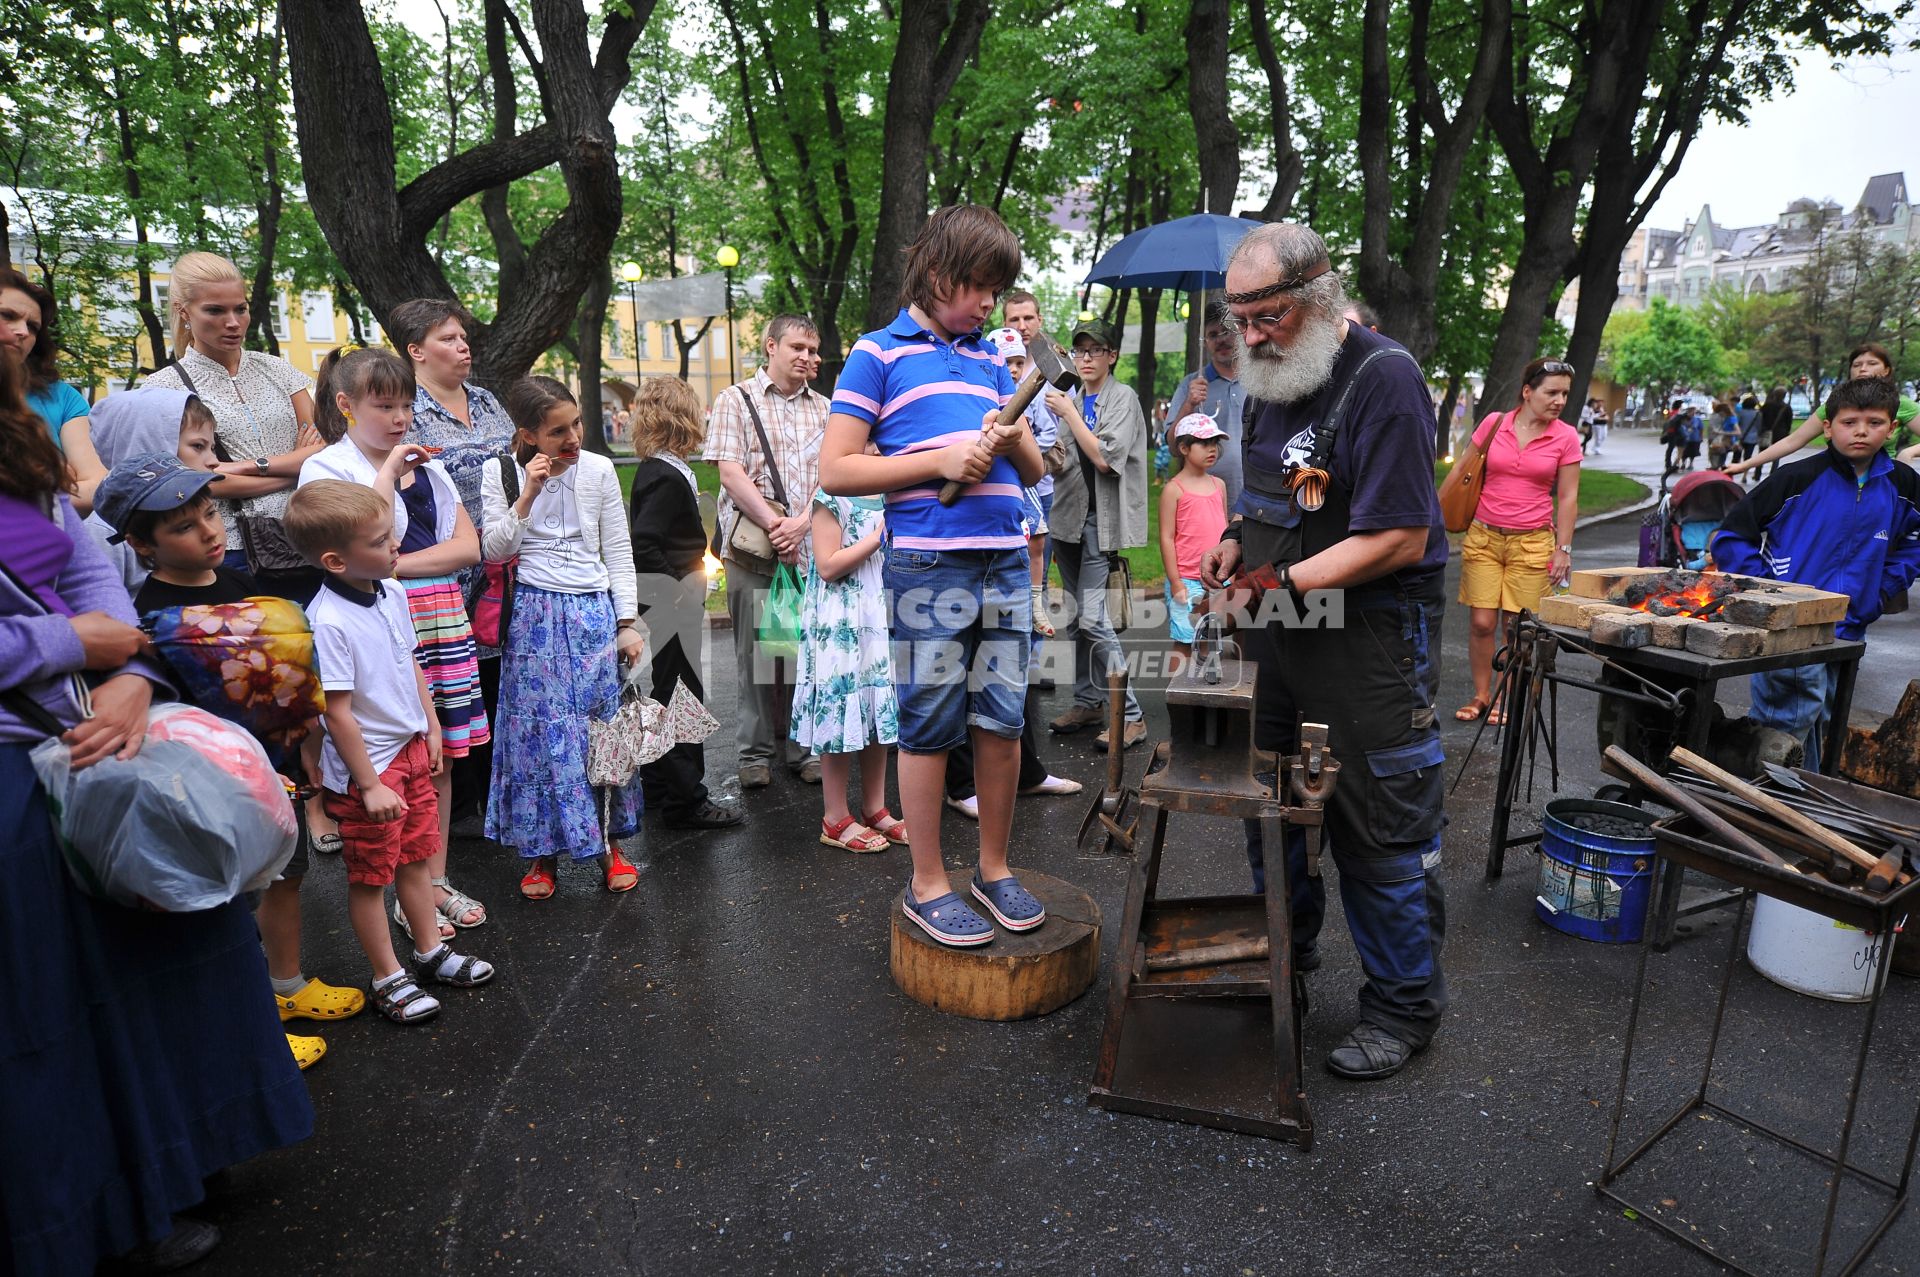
(194, 819)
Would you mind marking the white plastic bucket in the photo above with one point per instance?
(1811, 953)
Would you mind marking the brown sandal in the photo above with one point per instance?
(840, 834)
(1472, 710)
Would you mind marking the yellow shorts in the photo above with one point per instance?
(1504, 570)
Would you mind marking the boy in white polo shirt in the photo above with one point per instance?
(383, 739)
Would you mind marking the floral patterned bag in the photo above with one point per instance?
(250, 663)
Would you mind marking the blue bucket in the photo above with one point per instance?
(1594, 886)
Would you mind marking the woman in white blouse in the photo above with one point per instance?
(573, 623)
(263, 414)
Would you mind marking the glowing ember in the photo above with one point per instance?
(1678, 593)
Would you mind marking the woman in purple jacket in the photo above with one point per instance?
(139, 1052)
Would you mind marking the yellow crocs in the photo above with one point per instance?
(321, 1002)
(306, 1051)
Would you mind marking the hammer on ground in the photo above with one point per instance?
(1048, 370)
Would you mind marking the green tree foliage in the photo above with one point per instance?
(1672, 348)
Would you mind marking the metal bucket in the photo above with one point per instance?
(1811, 953)
(1594, 886)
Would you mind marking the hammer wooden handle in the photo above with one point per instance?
(1023, 397)
(1876, 871)
(1620, 763)
(1211, 955)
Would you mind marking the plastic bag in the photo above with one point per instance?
(193, 820)
(780, 626)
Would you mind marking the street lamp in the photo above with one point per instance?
(729, 257)
(630, 271)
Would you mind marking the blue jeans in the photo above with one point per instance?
(1798, 702)
(962, 624)
(1083, 572)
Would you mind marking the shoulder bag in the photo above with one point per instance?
(749, 545)
(262, 536)
(493, 607)
(1460, 490)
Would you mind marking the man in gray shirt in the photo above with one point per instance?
(1215, 390)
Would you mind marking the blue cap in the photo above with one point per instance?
(149, 481)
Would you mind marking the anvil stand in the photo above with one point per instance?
(1187, 1038)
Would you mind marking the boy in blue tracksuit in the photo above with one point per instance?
(1847, 521)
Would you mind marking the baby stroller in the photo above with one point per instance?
(1674, 534)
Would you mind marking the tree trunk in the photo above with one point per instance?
(1288, 165)
(379, 233)
(267, 207)
(936, 41)
(1443, 424)
(143, 276)
(1208, 25)
(1149, 360)
(593, 322)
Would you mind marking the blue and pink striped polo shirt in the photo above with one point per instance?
(918, 392)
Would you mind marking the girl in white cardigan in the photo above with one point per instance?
(573, 621)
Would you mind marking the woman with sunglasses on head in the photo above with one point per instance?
(1521, 538)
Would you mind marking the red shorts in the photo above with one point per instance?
(374, 849)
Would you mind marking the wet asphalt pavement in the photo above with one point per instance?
(715, 1074)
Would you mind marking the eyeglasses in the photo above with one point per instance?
(1090, 352)
(1267, 324)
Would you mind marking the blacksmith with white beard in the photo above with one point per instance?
(1326, 394)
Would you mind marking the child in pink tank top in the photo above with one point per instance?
(1193, 514)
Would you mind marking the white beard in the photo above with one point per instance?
(1275, 375)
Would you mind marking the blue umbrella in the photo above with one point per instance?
(1189, 254)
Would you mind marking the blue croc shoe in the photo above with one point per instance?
(1012, 905)
(949, 920)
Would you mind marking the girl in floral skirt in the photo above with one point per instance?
(558, 509)
(365, 403)
(843, 702)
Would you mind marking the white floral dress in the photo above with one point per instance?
(843, 697)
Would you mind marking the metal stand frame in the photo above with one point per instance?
(1152, 1062)
(1836, 1161)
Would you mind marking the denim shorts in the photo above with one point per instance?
(962, 624)
(1180, 615)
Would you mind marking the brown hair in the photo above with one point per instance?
(196, 413)
(961, 244)
(667, 418)
(324, 515)
(363, 370)
(529, 400)
(38, 365)
(1873, 348)
(411, 321)
(1539, 370)
(33, 468)
(1018, 297)
(191, 273)
(780, 325)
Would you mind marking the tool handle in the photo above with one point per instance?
(1211, 955)
(1023, 397)
(1775, 808)
(1620, 763)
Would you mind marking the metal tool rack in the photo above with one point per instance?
(1683, 846)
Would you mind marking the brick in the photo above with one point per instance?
(1724, 642)
(1574, 613)
(1815, 607)
(1761, 609)
(1798, 639)
(1671, 631)
(1622, 629)
(1598, 583)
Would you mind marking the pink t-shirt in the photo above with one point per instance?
(1198, 521)
(1518, 490)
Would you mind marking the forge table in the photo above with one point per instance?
(1694, 680)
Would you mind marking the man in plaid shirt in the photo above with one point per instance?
(795, 418)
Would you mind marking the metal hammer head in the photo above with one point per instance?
(1046, 357)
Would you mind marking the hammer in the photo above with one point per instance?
(1048, 370)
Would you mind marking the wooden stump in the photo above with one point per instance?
(1019, 975)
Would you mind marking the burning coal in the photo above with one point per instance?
(1679, 593)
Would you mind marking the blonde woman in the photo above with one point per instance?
(262, 410)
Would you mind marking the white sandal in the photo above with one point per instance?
(400, 918)
(458, 905)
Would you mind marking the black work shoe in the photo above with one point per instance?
(1306, 960)
(190, 1242)
(1368, 1053)
(708, 815)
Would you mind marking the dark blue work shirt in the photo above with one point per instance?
(1382, 463)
